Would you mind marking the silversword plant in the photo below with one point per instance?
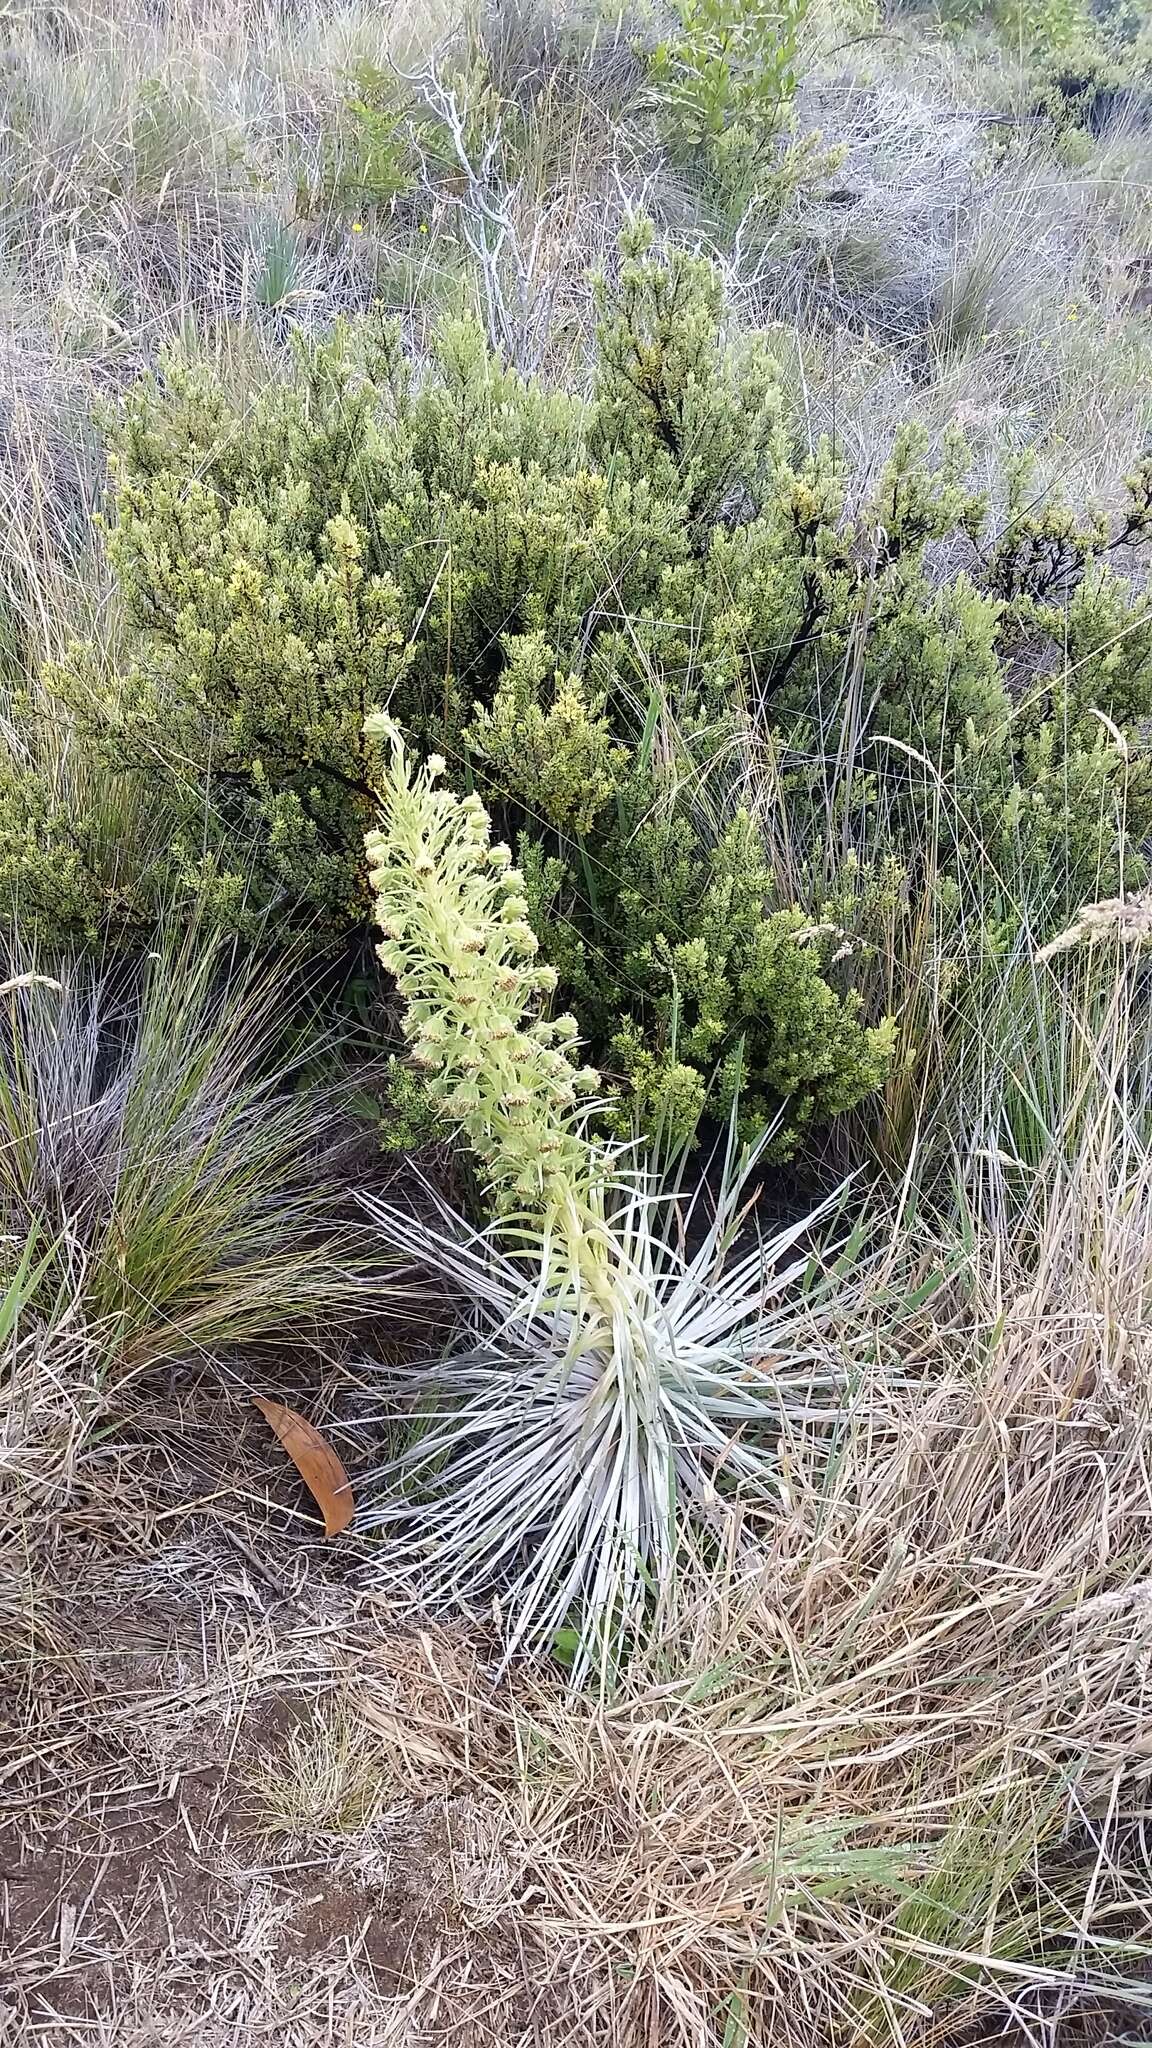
(617, 1395)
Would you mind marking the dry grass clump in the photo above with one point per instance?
(51, 1402)
(905, 1775)
(1126, 920)
(964, 259)
(152, 165)
(50, 1398)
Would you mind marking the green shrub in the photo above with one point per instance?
(1034, 28)
(263, 634)
(601, 610)
(674, 410)
(675, 965)
(369, 161)
(1081, 80)
(54, 878)
(1040, 27)
(1085, 60)
(725, 82)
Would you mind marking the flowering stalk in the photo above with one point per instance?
(458, 942)
(1124, 919)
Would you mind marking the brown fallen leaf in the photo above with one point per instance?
(315, 1461)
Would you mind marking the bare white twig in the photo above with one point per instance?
(517, 292)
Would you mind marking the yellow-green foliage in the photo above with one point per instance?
(596, 608)
(546, 742)
(674, 407)
(679, 967)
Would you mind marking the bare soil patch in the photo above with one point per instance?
(225, 1812)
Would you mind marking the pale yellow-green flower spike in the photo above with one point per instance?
(458, 942)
